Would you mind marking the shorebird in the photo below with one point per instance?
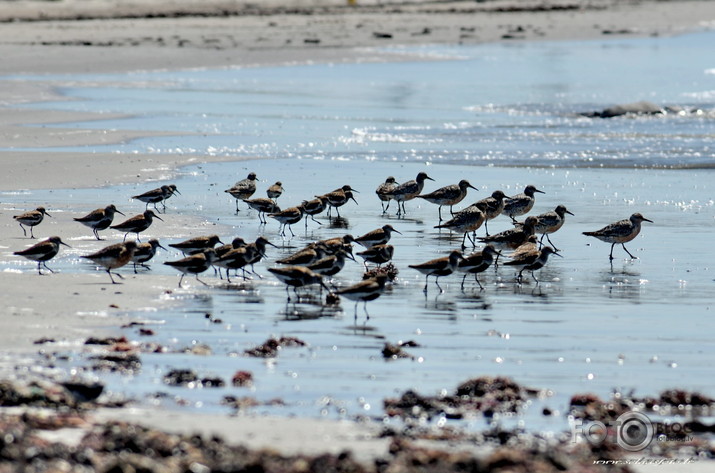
(237, 242)
(42, 252)
(439, 267)
(339, 197)
(305, 256)
(31, 218)
(194, 264)
(383, 192)
(531, 244)
(477, 263)
(114, 257)
(263, 206)
(532, 261)
(172, 190)
(550, 222)
(145, 252)
(297, 276)
(365, 291)
(243, 189)
(158, 195)
(260, 252)
(514, 237)
(408, 191)
(311, 208)
(334, 244)
(332, 264)
(287, 218)
(136, 224)
(620, 232)
(237, 258)
(521, 204)
(378, 254)
(493, 207)
(448, 195)
(379, 236)
(196, 244)
(99, 219)
(466, 221)
(275, 191)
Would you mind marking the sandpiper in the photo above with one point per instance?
(43, 252)
(439, 267)
(366, 290)
(236, 259)
(551, 222)
(155, 196)
(621, 232)
(514, 237)
(493, 207)
(260, 246)
(339, 197)
(305, 256)
(263, 206)
(145, 252)
(297, 276)
(531, 244)
(448, 195)
(532, 261)
(477, 263)
(379, 236)
(334, 244)
(114, 257)
(237, 242)
(466, 221)
(378, 254)
(408, 191)
(99, 219)
(287, 218)
(332, 264)
(194, 264)
(383, 192)
(314, 207)
(136, 224)
(31, 218)
(521, 204)
(243, 189)
(172, 190)
(275, 191)
(197, 244)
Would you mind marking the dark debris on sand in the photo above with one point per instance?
(270, 348)
(124, 447)
(388, 270)
(487, 395)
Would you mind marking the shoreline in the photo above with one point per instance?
(69, 170)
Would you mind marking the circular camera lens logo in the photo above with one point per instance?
(634, 431)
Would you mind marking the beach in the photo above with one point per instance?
(47, 38)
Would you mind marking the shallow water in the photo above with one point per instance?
(513, 104)
(589, 325)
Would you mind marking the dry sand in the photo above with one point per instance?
(76, 36)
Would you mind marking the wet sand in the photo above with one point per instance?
(75, 37)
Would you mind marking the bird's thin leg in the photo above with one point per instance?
(181, 279)
(465, 277)
(550, 243)
(199, 280)
(436, 281)
(425, 289)
(629, 253)
(476, 278)
(611, 255)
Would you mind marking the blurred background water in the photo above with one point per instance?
(502, 116)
